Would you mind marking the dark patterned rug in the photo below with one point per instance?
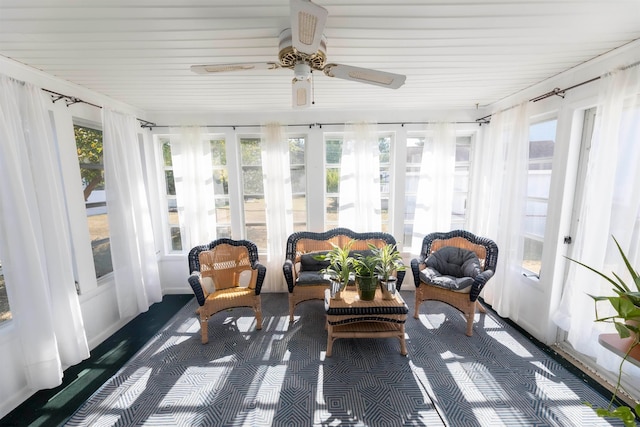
(280, 376)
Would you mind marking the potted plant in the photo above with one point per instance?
(389, 261)
(340, 267)
(366, 269)
(626, 320)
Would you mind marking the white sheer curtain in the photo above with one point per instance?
(610, 207)
(499, 189)
(360, 208)
(193, 176)
(434, 201)
(135, 265)
(276, 170)
(35, 244)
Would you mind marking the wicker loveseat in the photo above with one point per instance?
(302, 271)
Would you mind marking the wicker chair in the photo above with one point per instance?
(430, 287)
(226, 274)
(303, 244)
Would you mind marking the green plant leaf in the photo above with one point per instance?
(624, 307)
(623, 331)
(621, 287)
(634, 274)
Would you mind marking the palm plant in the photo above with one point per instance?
(389, 261)
(340, 263)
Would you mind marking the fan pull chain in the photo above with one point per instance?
(313, 90)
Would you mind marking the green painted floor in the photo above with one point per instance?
(53, 407)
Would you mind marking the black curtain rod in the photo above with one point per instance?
(558, 92)
(70, 100)
(309, 125)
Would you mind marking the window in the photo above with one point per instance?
(415, 145)
(461, 182)
(253, 187)
(173, 223)
(333, 155)
(89, 147)
(221, 187)
(253, 192)
(542, 138)
(298, 182)
(5, 310)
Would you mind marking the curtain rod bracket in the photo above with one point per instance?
(144, 124)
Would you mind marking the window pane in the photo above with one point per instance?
(257, 234)
(300, 209)
(333, 151)
(220, 182)
(224, 232)
(532, 255)
(166, 151)
(218, 152)
(89, 148)
(298, 180)
(176, 239)
(223, 211)
(536, 218)
(332, 209)
(463, 150)
(5, 310)
(170, 183)
(414, 150)
(252, 180)
(250, 151)
(296, 151)
(333, 180)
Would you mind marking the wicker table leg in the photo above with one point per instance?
(330, 339)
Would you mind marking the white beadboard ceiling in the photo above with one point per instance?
(455, 54)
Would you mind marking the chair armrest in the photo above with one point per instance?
(400, 278)
(416, 264)
(194, 281)
(478, 283)
(289, 274)
(262, 272)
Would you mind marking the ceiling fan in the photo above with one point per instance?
(303, 48)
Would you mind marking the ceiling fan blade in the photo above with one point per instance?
(223, 68)
(365, 75)
(301, 93)
(307, 25)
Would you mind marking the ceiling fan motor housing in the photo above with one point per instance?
(290, 57)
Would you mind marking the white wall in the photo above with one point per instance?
(539, 297)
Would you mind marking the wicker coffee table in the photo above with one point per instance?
(351, 317)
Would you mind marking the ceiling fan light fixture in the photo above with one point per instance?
(301, 93)
(302, 71)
